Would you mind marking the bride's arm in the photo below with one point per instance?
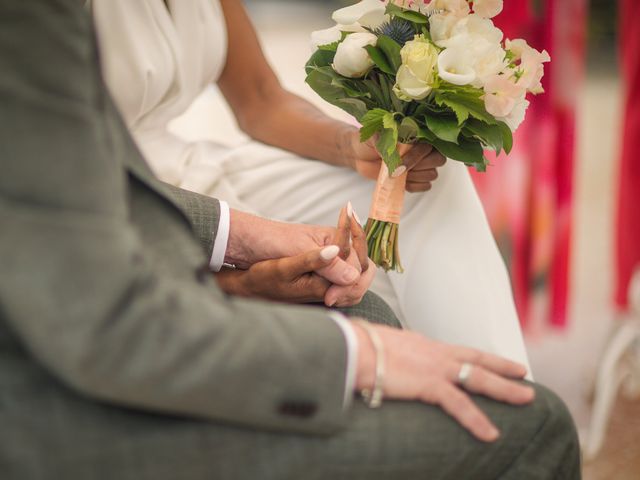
(269, 113)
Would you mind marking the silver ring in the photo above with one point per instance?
(464, 373)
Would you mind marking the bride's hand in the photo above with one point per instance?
(422, 161)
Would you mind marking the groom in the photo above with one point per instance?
(120, 358)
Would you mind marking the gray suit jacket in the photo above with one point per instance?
(102, 281)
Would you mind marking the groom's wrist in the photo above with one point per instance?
(254, 239)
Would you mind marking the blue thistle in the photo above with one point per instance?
(398, 29)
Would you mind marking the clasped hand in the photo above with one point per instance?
(420, 160)
(318, 264)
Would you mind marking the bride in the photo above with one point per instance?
(302, 166)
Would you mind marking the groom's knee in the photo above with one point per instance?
(374, 309)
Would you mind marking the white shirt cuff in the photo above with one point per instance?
(222, 238)
(352, 356)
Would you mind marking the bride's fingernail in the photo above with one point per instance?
(349, 209)
(330, 252)
(398, 171)
(355, 215)
(350, 275)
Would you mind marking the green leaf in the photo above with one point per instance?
(380, 59)
(444, 127)
(467, 151)
(371, 123)
(410, 15)
(353, 106)
(464, 105)
(388, 141)
(489, 135)
(408, 130)
(320, 58)
(321, 80)
(391, 50)
(507, 137)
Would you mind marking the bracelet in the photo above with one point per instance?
(373, 397)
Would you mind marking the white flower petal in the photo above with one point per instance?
(325, 37)
(455, 66)
(371, 9)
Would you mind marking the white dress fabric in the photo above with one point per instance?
(455, 287)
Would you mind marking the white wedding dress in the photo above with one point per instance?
(455, 287)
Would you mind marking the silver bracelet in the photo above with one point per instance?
(373, 397)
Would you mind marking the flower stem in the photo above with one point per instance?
(382, 240)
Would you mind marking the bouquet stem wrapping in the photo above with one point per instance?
(384, 219)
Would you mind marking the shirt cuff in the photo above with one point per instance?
(352, 356)
(222, 238)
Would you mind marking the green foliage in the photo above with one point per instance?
(380, 59)
(320, 58)
(387, 144)
(464, 105)
(452, 118)
(391, 49)
(414, 17)
(444, 127)
(371, 123)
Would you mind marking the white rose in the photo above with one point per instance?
(455, 65)
(490, 60)
(367, 13)
(415, 76)
(475, 27)
(501, 95)
(516, 117)
(441, 26)
(487, 8)
(351, 59)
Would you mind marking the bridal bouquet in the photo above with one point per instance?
(414, 71)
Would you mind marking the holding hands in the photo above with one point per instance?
(300, 263)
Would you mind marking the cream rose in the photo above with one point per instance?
(415, 76)
(351, 59)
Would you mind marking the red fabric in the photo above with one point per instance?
(528, 195)
(628, 215)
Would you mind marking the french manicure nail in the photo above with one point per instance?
(349, 209)
(355, 215)
(398, 171)
(330, 252)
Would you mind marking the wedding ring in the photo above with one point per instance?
(464, 373)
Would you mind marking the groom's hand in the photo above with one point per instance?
(254, 239)
(289, 279)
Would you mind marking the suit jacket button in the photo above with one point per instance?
(297, 409)
(203, 274)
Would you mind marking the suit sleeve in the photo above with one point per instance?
(203, 213)
(85, 297)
